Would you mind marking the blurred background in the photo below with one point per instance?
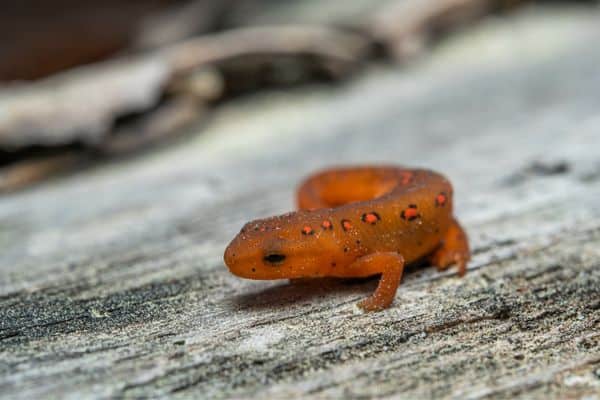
(82, 82)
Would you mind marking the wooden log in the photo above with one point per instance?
(112, 282)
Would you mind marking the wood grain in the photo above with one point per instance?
(113, 285)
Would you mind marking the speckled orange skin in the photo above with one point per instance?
(356, 222)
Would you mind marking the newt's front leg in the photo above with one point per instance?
(390, 266)
(453, 250)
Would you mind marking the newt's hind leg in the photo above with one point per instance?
(453, 250)
(390, 266)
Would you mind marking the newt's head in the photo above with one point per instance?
(292, 245)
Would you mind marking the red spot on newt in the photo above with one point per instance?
(440, 199)
(307, 230)
(410, 213)
(346, 225)
(370, 218)
(326, 224)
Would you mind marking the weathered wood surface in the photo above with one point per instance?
(112, 282)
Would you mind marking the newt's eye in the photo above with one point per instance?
(274, 258)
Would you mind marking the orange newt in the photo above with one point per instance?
(356, 222)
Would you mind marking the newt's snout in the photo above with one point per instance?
(244, 258)
(234, 260)
(229, 256)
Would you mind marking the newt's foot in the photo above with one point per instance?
(390, 266)
(373, 304)
(454, 250)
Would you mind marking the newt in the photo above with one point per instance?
(356, 222)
